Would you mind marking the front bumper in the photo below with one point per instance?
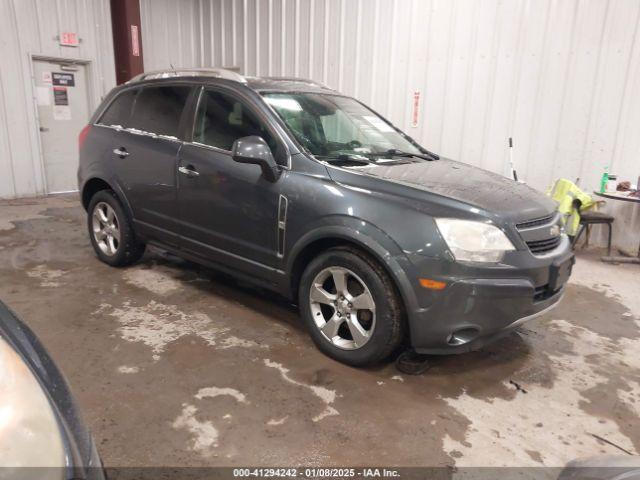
(471, 313)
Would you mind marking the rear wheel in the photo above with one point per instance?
(351, 307)
(111, 232)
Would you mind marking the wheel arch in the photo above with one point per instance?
(96, 184)
(90, 188)
(383, 250)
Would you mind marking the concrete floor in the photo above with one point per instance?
(176, 365)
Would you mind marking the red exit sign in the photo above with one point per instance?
(69, 39)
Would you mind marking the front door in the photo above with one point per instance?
(63, 110)
(228, 209)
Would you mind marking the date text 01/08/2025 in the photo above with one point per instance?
(315, 473)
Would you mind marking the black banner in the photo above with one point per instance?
(397, 473)
(63, 79)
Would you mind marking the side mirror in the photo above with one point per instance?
(255, 150)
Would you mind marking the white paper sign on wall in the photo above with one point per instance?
(43, 97)
(61, 112)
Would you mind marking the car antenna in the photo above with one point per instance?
(512, 169)
(514, 174)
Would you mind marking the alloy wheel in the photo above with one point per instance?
(342, 308)
(106, 228)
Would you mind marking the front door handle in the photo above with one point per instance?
(121, 152)
(189, 171)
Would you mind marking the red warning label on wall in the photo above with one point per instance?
(60, 96)
(415, 112)
(135, 41)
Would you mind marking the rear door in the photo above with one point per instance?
(145, 150)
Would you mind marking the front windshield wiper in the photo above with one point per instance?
(429, 156)
(344, 158)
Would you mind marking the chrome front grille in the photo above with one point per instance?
(541, 234)
(536, 222)
(543, 246)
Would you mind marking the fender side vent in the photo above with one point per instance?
(283, 203)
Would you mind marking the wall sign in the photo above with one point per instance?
(135, 41)
(415, 112)
(46, 77)
(43, 97)
(63, 79)
(69, 39)
(60, 96)
(61, 112)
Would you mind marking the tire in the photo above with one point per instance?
(111, 232)
(332, 321)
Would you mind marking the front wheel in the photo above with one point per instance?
(111, 232)
(351, 307)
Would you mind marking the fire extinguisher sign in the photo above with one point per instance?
(415, 111)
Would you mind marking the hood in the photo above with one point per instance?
(474, 186)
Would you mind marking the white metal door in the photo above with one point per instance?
(63, 110)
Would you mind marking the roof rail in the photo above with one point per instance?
(301, 80)
(190, 72)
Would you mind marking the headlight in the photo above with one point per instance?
(29, 433)
(471, 241)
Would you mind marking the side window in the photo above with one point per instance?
(119, 111)
(158, 109)
(222, 119)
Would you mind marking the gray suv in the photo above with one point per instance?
(309, 193)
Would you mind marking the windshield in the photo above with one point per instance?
(332, 126)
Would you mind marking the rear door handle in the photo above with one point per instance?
(121, 152)
(189, 171)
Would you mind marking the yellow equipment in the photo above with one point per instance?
(571, 201)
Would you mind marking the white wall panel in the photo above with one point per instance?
(31, 27)
(561, 77)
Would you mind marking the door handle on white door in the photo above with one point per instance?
(189, 172)
(121, 152)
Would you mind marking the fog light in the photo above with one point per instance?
(462, 336)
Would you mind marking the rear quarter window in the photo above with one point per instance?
(158, 109)
(119, 110)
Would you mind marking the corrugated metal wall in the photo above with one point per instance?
(30, 27)
(561, 77)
